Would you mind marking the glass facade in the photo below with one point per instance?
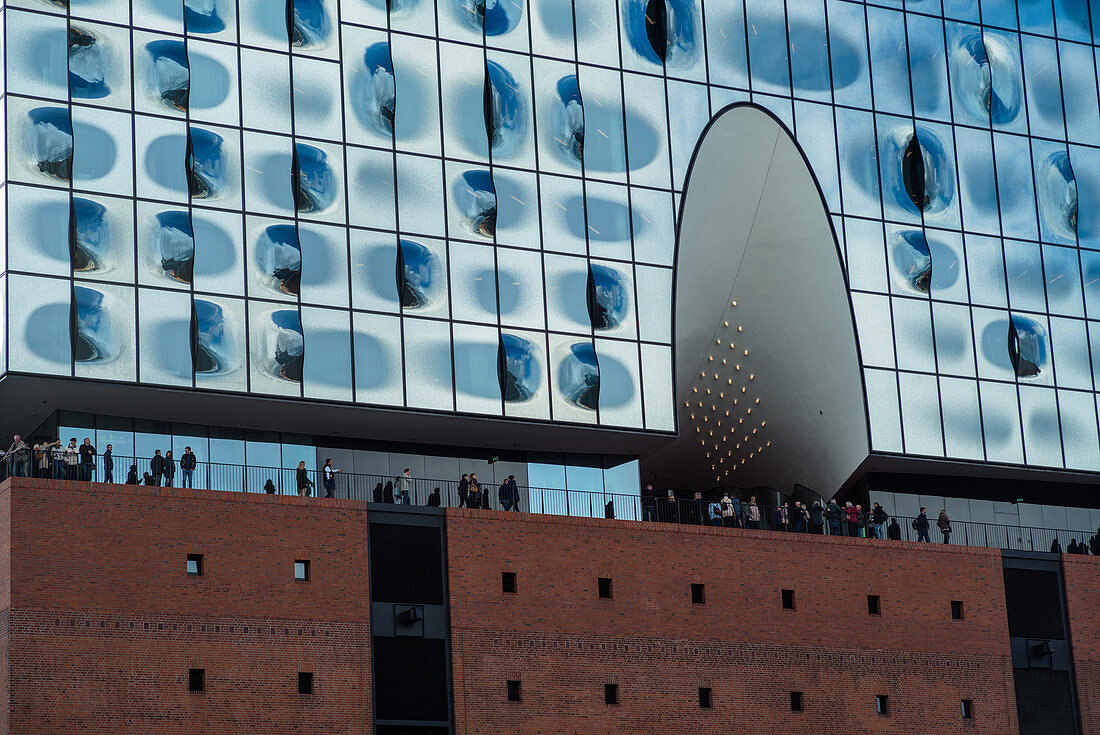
(468, 205)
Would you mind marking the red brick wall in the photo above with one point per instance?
(105, 623)
(1083, 602)
(564, 644)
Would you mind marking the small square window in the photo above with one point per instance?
(704, 698)
(788, 599)
(508, 582)
(196, 680)
(796, 701)
(301, 570)
(698, 594)
(968, 709)
(611, 693)
(514, 692)
(874, 605)
(604, 584)
(305, 682)
(194, 565)
(882, 705)
(956, 610)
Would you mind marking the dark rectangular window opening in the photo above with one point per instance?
(301, 570)
(196, 680)
(194, 565)
(956, 610)
(610, 693)
(796, 701)
(788, 599)
(305, 682)
(882, 704)
(514, 692)
(874, 605)
(967, 709)
(698, 594)
(508, 582)
(604, 584)
(704, 698)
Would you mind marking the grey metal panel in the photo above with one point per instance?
(1030, 514)
(1079, 519)
(982, 511)
(371, 463)
(501, 470)
(1054, 517)
(958, 509)
(906, 505)
(443, 468)
(398, 463)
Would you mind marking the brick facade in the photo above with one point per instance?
(564, 644)
(104, 623)
(1083, 602)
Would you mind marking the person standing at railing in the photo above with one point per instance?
(473, 498)
(188, 462)
(303, 481)
(156, 466)
(738, 511)
(109, 464)
(944, 524)
(920, 525)
(132, 476)
(57, 460)
(509, 494)
(1094, 543)
(752, 513)
(404, 485)
(698, 509)
(87, 460)
(816, 513)
(649, 503)
(1055, 547)
(169, 468)
(72, 460)
(328, 477)
(463, 490)
(715, 512)
(18, 457)
(44, 453)
(727, 510)
(893, 531)
(1072, 548)
(433, 499)
(879, 516)
(799, 516)
(851, 519)
(832, 515)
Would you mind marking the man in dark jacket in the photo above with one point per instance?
(1094, 543)
(509, 494)
(463, 490)
(109, 464)
(87, 460)
(920, 525)
(832, 515)
(188, 462)
(816, 517)
(698, 509)
(879, 516)
(156, 467)
(893, 531)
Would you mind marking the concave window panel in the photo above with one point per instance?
(327, 372)
(211, 19)
(38, 325)
(428, 379)
(213, 166)
(525, 371)
(477, 384)
(104, 340)
(510, 106)
(574, 379)
(520, 288)
(991, 329)
(378, 362)
(567, 294)
(40, 135)
(324, 251)
(275, 259)
(161, 75)
(164, 328)
(465, 118)
(611, 300)
(370, 96)
(962, 425)
(166, 246)
(1056, 186)
(276, 349)
(220, 351)
(471, 202)
(559, 106)
(421, 277)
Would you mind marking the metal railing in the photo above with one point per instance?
(550, 501)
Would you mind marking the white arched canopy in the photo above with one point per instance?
(758, 270)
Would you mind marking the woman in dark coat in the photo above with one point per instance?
(304, 483)
(131, 476)
(269, 487)
(376, 496)
(169, 466)
(387, 492)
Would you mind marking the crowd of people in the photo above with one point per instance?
(48, 458)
